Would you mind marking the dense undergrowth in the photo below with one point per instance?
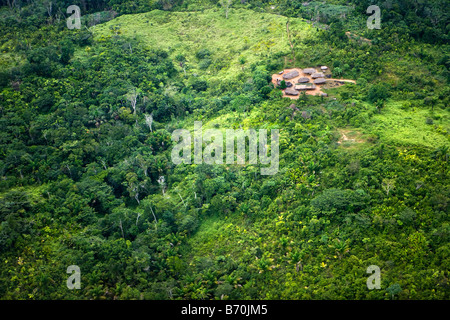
(81, 164)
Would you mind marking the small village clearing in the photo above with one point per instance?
(310, 81)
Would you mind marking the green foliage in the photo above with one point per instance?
(337, 201)
(378, 92)
(87, 178)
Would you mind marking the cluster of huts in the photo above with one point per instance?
(303, 83)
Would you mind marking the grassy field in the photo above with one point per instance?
(235, 43)
(410, 127)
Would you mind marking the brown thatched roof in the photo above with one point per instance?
(317, 75)
(320, 81)
(309, 70)
(306, 115)
(291, 74)
(303, 80)
(291, 92)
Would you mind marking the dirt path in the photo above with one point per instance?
(290, 42)
(356, 136)
(343, 80)
(345, 138)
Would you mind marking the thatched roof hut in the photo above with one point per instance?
(320, 81)
(303, 80)
(291, 92)
(317, 75)
(291, 74)
(309, 71)
(308, 86)
(294, 107)
(306, 115)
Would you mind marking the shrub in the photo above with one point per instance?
(203, 53)
(340, 200)
(200, 85)
(204, 63)
(378, 92)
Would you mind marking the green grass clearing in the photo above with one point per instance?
(235, 43)
(409, 127)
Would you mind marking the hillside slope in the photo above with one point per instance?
(87, 177)
(234, 44)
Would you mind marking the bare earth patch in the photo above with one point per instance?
(349, 137)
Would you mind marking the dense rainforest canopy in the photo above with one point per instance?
(86, 177)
